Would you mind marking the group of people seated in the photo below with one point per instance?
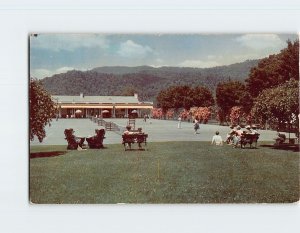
(139, 139)
(129, 131)
(235, 134)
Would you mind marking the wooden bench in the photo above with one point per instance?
(138, 138)
(283, 141)
(249, 139)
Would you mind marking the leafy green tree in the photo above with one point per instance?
(279, 106)
(275, 69)
(229, 94)
(175, 97)
(202, 97)
(184, 97)
(42, 110)
(164, 100)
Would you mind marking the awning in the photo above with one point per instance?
(86, 106)
(133, 107)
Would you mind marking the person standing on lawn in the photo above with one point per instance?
(196, 126)
(179, 123)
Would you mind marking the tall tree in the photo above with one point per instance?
(279, 105)
(275, 69)
(232, 93)
(164, 100)
(202, 97)
(184, 97)
(42, 110)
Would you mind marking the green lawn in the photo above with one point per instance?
(169, 172)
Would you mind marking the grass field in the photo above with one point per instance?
(168, 172)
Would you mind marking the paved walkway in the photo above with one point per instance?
(158, 130)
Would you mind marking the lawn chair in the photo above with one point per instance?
(96, 142)
(73, 141)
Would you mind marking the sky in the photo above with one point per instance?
(57, 53)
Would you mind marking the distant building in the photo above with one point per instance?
(101, 106)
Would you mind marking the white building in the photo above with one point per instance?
(105, 106)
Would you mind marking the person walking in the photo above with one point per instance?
(196, 126)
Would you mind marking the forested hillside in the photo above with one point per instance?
(145, 80)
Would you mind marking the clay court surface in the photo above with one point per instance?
(158, 130)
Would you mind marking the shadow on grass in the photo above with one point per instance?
(142, 149)
(293, 148)
(46, 154)
(245, 148)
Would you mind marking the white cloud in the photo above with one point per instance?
(247, 56)
(198, 63)
(132, 49)
(210, 57)
(42, 73)
(214, 57)
(159, 60)
(63, 69)
(70, 42)
(261, 41)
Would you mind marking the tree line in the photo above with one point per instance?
(270, 94)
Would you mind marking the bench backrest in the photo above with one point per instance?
(132, 137)
(253, 137)
(100, 133)
(70, 137)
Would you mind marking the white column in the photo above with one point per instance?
(114, 112)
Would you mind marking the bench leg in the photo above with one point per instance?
(140, 146)
(128, 144)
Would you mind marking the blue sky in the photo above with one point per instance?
(57, 53)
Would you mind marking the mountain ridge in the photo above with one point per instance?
(147, 81)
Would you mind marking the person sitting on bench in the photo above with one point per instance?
(280, 138)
